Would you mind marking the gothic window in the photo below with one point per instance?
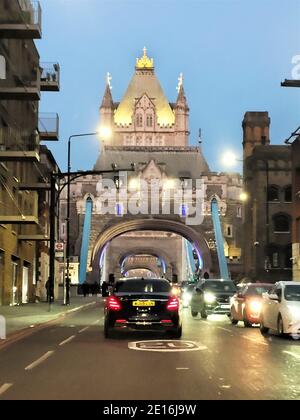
(139, 141)
(273, 193)
(229, 231)
(239, 212)
(288, 194)
(149, 122)
(281, 223)
(139, 120)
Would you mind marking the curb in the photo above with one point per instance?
(28, 331)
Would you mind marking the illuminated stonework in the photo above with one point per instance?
(145, 62)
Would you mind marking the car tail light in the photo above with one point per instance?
(121, 321)
(173, 304)
(166, 321)
(113, 303)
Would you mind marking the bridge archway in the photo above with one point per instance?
(195, 237)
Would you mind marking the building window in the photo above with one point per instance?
(288, 254)
(149, 121)
(139, 120)
(2, 68)
(288, 194)
(281, 223)
(239, 212)
(119, 209)
(273, 193)
(229, 231)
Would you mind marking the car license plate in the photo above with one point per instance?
(143, 303)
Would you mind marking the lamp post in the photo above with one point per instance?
(105, 132)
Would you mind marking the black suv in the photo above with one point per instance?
(143, 304)
(212, 297)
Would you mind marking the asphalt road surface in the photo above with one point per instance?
(72, 360)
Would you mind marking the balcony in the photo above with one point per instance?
(18, 145)
(25, 92)
(49, 127)
(50, 77)
(23, 21)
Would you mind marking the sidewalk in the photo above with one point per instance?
(20, 318)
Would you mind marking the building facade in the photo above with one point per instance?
(22, 127)
(153, 134)
(268, 210)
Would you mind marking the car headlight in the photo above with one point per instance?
(209, 297)
(255, 306)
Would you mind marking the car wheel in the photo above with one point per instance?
(233, 320)
(203, 314)
(247, 324)
(194, 313)
(107, 331)
(177, 333)
(264, 330)
(280, 326)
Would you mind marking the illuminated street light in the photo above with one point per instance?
(105, 132)
(230, 159)
(244, 196)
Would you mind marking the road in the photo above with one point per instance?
(72, 360)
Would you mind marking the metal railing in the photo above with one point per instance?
(18, 140)
(29, 12)
(50, 73)
(48, 124)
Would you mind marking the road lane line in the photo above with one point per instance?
(224, 329)
(67, 340)
(5, 388)
(39, 361)
(83, 330)
(290, 353)
(182, 368)
(97, 321)
(254, 340)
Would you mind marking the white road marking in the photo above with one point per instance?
(67, 340)
(83, 330)
(96, 322)
(224, 329)
(5, 388)
(182, 368)
(255, 341)
(166, 346)
(295, 355)
(39, 361)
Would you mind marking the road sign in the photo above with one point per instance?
(59, 249)
(166, 346)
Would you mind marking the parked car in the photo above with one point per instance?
(246, 304)
(281, 309)
(212, 297)
(143, 304)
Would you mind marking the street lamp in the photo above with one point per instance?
(105, 133)
(230, 159)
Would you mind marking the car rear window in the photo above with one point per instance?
(220, 286)
(142, 286)
(258, 290)
(292, 293)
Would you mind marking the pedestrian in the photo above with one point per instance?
(47, 287)
(85, 288)
(104, 289)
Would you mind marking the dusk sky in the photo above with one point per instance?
(233, 54)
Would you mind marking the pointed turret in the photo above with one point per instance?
(181, 115)
(107, 101)
(107, 106)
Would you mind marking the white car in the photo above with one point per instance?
(281, 309)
